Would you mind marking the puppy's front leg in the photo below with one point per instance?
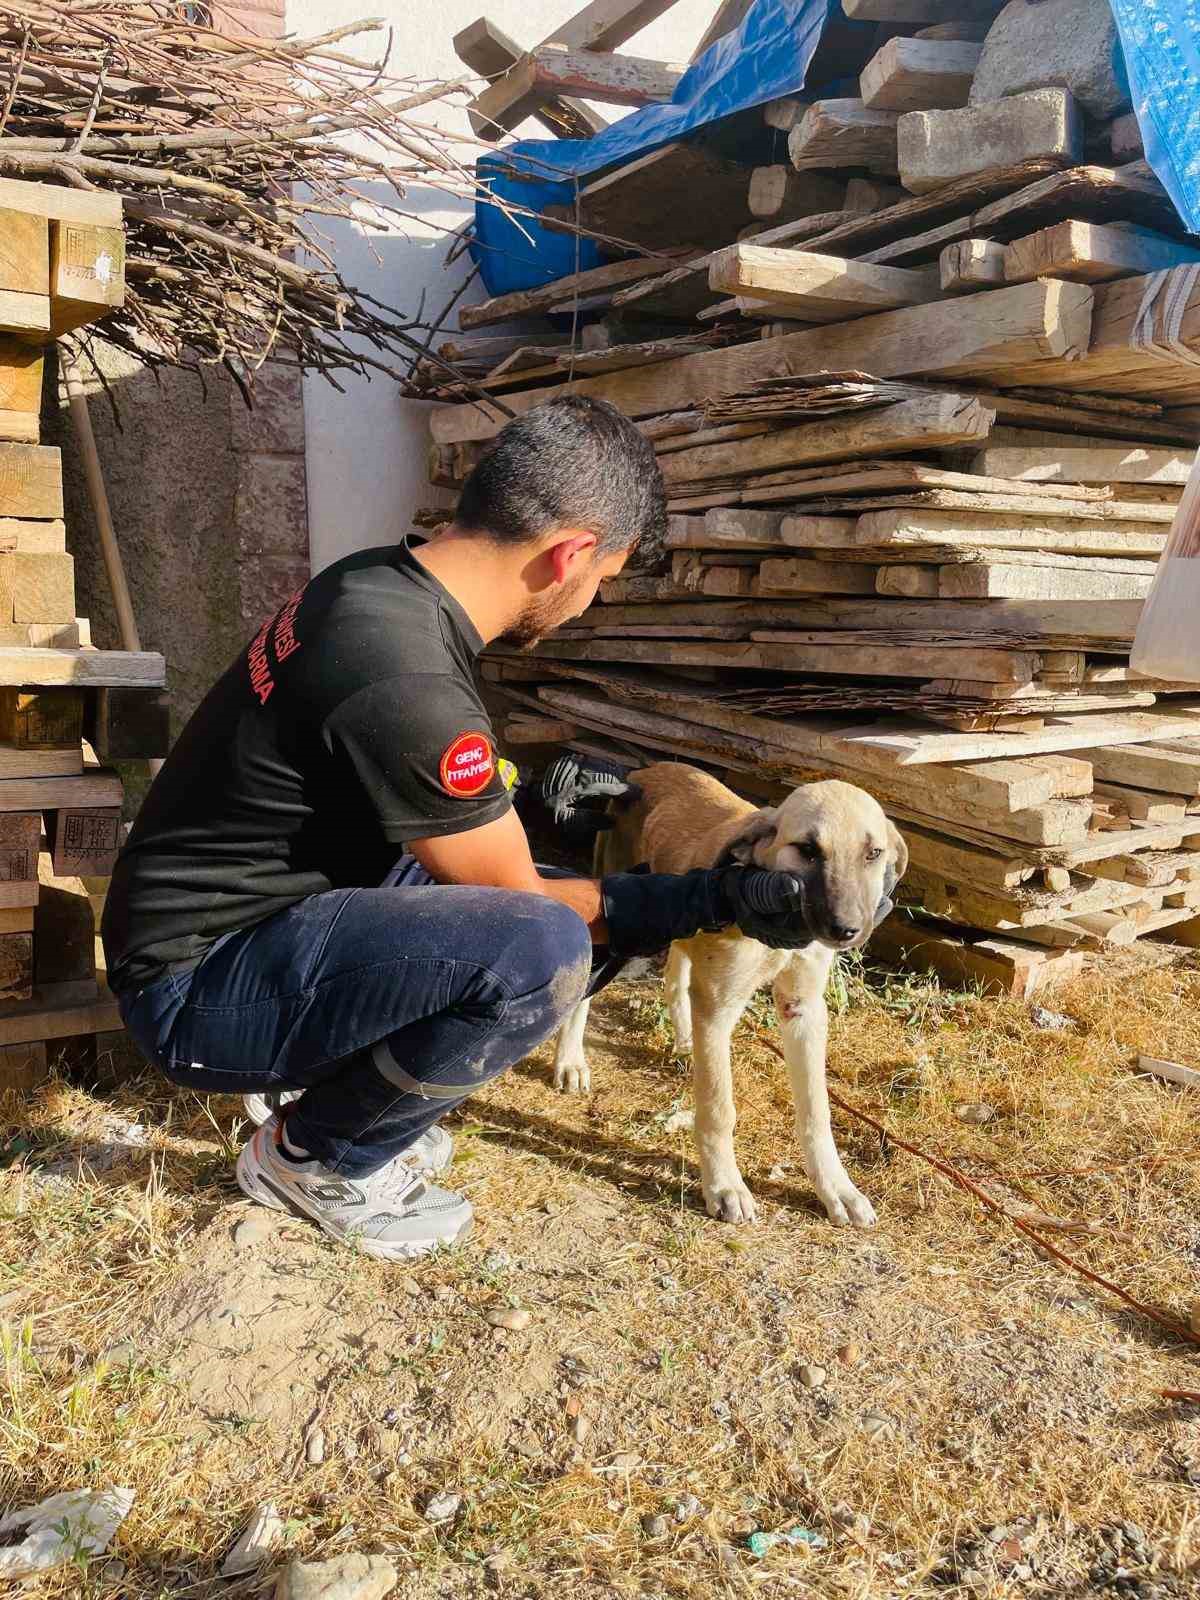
(804, 1025)
(718, 1000)
(572, 1075)
(679, 998)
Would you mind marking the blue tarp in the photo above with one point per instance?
(766, 57)
(1161, 40)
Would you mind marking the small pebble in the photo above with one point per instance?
(655, 1526)
(1050, 1021)
(849, 1354)
(512, 1318)
(812, 1377)
(499, 1561)
(776, 1175)
(443, 1292)
(350, 1450)
(688, 1508)
(253, 1230)
(875, 1424)
(442, 1506)
(580, 1428)
(666, 1281)
(412, 1288)
(314, 1448)
(977, 1114)
(626, 1461)
(391, 1417)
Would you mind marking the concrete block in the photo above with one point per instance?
(937, 147)
(1064, 44)
(271, 508)
(275, 426)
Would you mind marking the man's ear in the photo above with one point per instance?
(757, 829)
(897, 862)
(569, 545)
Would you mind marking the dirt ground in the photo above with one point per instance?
(936, 1405)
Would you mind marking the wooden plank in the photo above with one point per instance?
(84, 841)
(816, 288)
(491, 52)
(618, 80)
(24, 253)
(43, 588)
(815, 577)
(115, 669)
(602, 25)
(20, 835)
(783, 114)
(23, 1067)
(98, 786)
(1089, 193)
(32, 537)
(845, 133)
(21, 369)
(36, 1020)
(1072, 465)
(41, 719)
(996, 580)
(1035, 321)
(1090, 252)
(526, 302)
(1064, 535)
(30, 481)
(650, 203)
(971, 264)
(96, 206)
(1144, 767)
(919, 75)
(27, 314)
(781, 193)
(933, 421)
(996, 966)
(87, 274)
(128, 724)
(729, 15)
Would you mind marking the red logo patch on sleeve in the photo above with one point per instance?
(468, 765)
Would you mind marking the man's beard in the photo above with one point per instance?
(540, 617)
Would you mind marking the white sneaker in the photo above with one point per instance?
(393, 1214)
(431, 1154)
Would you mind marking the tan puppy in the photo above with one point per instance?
(836, 839)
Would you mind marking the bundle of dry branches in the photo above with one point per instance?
(230, 154)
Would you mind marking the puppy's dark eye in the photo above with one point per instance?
(874, 853)
(809, 850)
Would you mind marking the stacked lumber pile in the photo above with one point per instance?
(917, 490)
(64, 707)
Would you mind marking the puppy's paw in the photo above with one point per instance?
(572, 1077)
(730, 1202)
(847, 1207)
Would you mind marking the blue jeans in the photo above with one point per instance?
(387, 1006)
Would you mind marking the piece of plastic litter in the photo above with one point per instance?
(759, 1543)
(64, 1528)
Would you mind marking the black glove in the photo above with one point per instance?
(572, 795)
(647, 911)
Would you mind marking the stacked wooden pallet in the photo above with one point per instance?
(917, 491)
(64, 706)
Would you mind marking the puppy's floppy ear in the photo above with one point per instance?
(897, 861)
(757, 829)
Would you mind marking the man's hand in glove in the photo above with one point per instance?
(572, 796)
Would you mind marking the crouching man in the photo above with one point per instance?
(328, 902)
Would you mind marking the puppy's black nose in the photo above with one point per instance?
(840, 932)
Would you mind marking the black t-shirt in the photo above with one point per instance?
(350, 725)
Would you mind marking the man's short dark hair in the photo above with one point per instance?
(573, 463)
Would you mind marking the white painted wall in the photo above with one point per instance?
(367, 447)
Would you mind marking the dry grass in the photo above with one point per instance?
(1009, 1390)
